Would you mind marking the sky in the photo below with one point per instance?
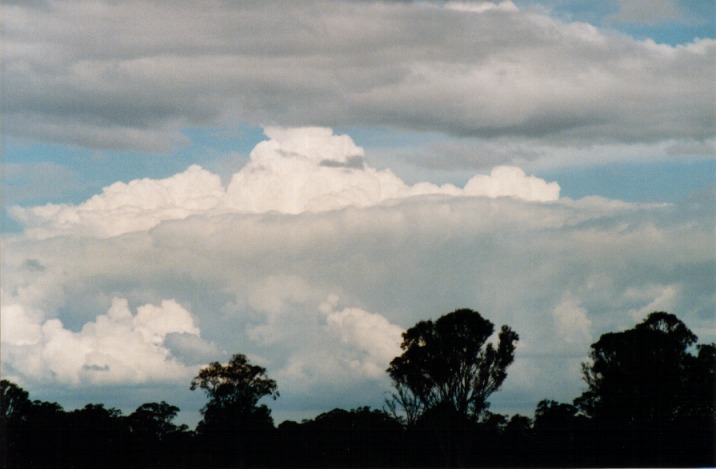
(301, 182)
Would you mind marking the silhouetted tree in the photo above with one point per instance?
(559, 431)
(650, 399)
(449, 363)
(14, 402)
(41, 439)
(502, 441)
(700, 398)
(41, 434)
(486, 442)
(234, 423)
(32, 432)
(153, 420)
(446, 373)
(357, 438)
(155, 440)
(97, 437)
(518, 447)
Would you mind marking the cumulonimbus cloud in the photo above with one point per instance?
(319, 297)
(312, 262)
(297, 170)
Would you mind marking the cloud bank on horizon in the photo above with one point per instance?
(312, 262)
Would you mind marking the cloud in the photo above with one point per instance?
(118, 347)
(662, 299)
(297, 170)
(510, 181)
(371, 334)
(691, 148)
(132, 75)
(573, 324)
(312, 262)
(349, 348)
(120, 208)
(19, 327)
(481, 6)
(190, 349)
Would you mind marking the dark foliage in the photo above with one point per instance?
(448, 364)
(32, 431)
(561, 435)
(155, 441)
(42, 434)
(357, 438)
(649, 398)
(444, 376)
(235, 429)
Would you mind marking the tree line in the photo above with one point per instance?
(649, 401)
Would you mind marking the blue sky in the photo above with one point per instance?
(666, 22)
(345, 134)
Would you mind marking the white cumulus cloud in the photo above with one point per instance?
(511, 181)
(572, 321)
(124, 207)
(372, 334)
(117, 347)
(297, 170)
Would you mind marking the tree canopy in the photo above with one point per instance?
(236, 386)
(14, 400)
(235, 426)
(154, 419)
(649, 373)
(450, 364)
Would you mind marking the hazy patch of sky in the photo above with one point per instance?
(663, 181)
